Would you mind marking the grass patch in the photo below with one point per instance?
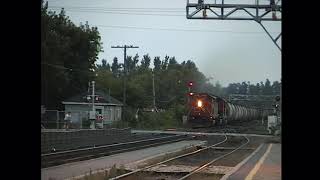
(274, 140)
(105, 174)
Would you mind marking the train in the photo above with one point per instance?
(206, 110)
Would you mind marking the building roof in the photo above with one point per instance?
(103, 99)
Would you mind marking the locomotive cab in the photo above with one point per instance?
(202, 110)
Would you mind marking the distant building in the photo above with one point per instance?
(107, 107)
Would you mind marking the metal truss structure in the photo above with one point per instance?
(245, 97)
(219, 10)
(258, 101)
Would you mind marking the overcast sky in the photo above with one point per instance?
(228, 51)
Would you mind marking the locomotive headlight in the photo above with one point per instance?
(199, 103)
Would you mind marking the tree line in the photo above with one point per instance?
(170, 80)
(170, 86)
(262, 88)
(170, 83)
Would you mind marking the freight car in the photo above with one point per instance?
(208, 110)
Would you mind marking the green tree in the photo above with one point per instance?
(157, 63)
(172, 63)
(232, 89)
(258, 87)
(219, 89)
(261, 89)
(276, 86)
(104, 66)
(115, 67)
(135, 61)
(243, 89)
(139, 90)
(164, 63)
(253, 89)
(68, 56)
(191, 65)
(267, 90)
(145, 62)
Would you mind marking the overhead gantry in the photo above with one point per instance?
(257, 10)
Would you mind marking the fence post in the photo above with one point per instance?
(58, 119)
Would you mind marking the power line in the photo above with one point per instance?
(122, 9)
(132, 8)
(116, 8)
(165, 29)
(65, 68)
(126, 13)
(57, 66)
(141, 12)
(172, 29)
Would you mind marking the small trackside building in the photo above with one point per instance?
(107, 107)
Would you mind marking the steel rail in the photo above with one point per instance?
(214, 160)
(86, 153)
(106, 146)
(168, 160)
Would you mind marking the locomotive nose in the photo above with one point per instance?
(199, 103)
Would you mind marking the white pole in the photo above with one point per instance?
(153, 92)
(93, 109)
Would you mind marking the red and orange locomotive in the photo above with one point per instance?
(208, 110)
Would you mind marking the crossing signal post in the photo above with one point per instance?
(278, 109)
(190, 93)
(189, 96)
(93, 112)
(190, 84)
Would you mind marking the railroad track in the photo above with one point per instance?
(235, 127)
(214, 160)
(62, 157)
(201, 167)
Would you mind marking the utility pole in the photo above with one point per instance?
(125, 73)
(124, 68)
(154, 93)
(93, 96)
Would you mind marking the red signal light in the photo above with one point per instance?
(190, 84)
(191, 94)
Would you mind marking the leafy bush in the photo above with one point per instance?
(160, 120)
